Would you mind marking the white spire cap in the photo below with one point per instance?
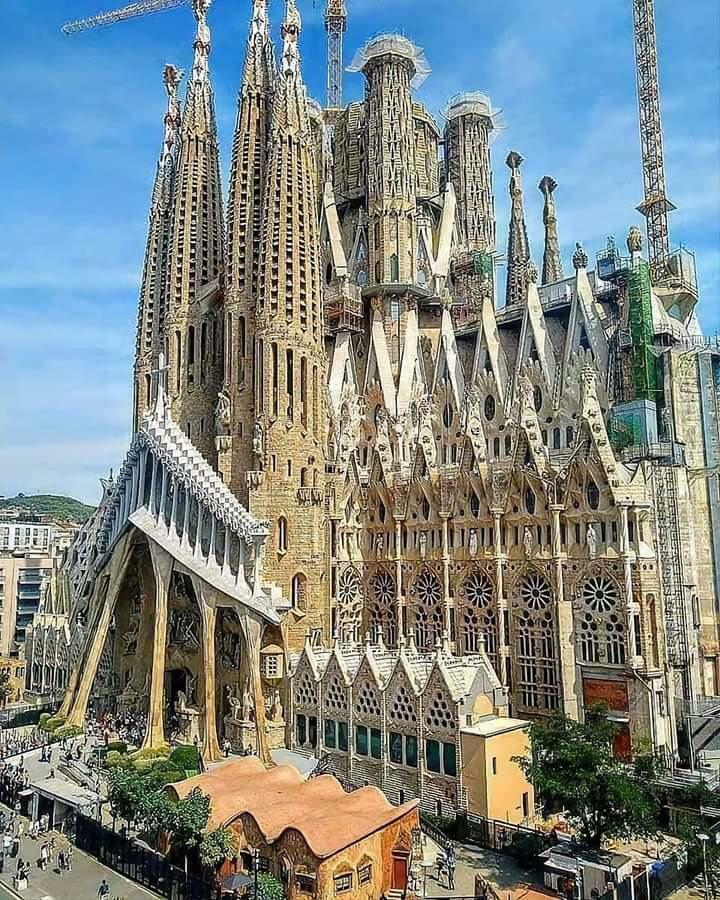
(291, 28)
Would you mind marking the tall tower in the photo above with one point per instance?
(518, 252)
(195, 259)
(151, 309)
(552, 263)
(392, 65)
(244, 225)
(287, 486)
(335, 26)
(469, 127)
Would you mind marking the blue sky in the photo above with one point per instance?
(81, 128)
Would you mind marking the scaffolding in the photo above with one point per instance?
(131, 11)
(335, 27)
(392, 45)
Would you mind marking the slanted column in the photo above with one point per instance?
(185, 537)
(162, 564)
(211, 746)
(163, 495)
(252, 630)
(173, 513)
(141, 480)
(153, 486)
(197, 553)
(117, 568)
(134, 491)
(213, 534)
(226, 551)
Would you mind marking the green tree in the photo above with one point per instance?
(217, 846)
(573, 768)
(268, 888)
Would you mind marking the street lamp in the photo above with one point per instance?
(704, 838)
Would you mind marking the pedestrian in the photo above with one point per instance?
(226, 748)
(61, 861)
(21, 829)
(103, 890)
(43, 856)
(69, 859)
(2, 861)
(7, 842)
(451, 875)
(15, 846)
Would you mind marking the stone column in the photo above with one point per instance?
(570, 686)
(141, 478)
(446, 574)
(501, 606)
(162, 564)
(631, 607)
(400, 603)
(98, 634)
(211, 747)
(252, 631)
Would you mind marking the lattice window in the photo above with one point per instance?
(335, 695)
(535, 643)
(600, 634)
(440, 712)
(429, 612)
(382, 607)
(367, 700)
(402, 708)
(478, 615)
(305, 690)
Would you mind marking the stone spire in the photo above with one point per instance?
(290, 364)
(518, 252)
(151, 309)
(244, 218)
(196, 251)
(195, 258)
(552, 263)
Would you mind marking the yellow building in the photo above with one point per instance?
(15, 668)
(496, 786)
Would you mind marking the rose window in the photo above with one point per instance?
(478, 590)
(427, 589)
(535, 591)
(599, 594)
(348, 587)
(382, 585)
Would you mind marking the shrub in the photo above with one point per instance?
(52, 723)
(186, 758)
(117, 747)
(115, 760)
(43, 718)
(151, 753)
(68, 731)
(164, 772)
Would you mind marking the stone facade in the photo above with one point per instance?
(417, 462)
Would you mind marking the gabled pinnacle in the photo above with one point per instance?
(552, 263)
(518, 253)
(259, 69)
(202, 40)
(291, 28)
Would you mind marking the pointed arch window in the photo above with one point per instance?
(593, 495)
(394, 268)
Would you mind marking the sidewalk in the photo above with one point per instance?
(80, 884)
(499, 870)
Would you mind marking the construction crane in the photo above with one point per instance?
(335, 26)
(655, 206)
(131, 11)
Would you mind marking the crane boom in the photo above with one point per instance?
(655, 206)
(131, 11)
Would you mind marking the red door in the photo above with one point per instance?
(399, 872)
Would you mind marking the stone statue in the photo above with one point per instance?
(234, 703)
(181, 703)
(276, 711)
(528, 541)
(473, 546)
(258, 445)
(591, 538)
(379, 544)
(248, 706)
(422, 540)
(223, 413)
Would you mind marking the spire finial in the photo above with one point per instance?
(202, 40)
(552, 263)
(172, 77)
(580, 257)
(518, 252)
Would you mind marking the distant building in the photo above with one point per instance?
(31, 551)
(316, 839)
(15, 668)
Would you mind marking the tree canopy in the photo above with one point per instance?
(573, 768)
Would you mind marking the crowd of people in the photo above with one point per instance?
(128, 727)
